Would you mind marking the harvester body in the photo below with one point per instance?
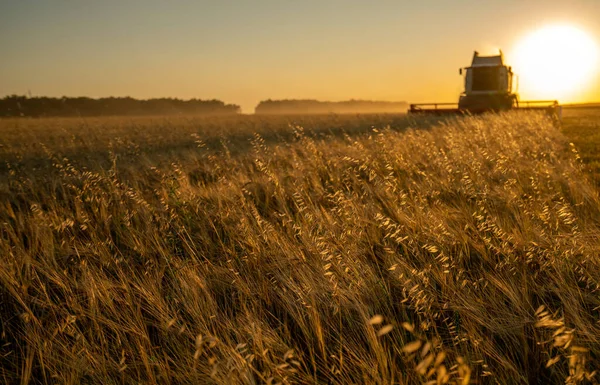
(488, 87)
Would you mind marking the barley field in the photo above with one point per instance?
(300, 250)
(582, 127)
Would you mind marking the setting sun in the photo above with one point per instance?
(557, 62)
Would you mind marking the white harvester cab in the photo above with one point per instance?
(488, 84)
(488, 74)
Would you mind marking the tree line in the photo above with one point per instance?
(310, 106)
(15, 105)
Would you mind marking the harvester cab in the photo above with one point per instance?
(488, 87)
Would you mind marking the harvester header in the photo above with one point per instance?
(488, 87)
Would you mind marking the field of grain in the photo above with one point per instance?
(300, 250)
(582, 127)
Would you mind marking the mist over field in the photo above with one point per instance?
(307, 249)
(309, 106)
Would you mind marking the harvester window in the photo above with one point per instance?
(486, 78)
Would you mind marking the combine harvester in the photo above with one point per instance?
(488, 88)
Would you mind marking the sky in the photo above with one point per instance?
(245, 51)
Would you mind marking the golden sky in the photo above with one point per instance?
(246, 51)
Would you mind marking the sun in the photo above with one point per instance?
(556, 62)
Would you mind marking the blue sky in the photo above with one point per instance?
(245, 51)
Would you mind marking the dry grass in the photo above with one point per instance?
(185, 251)
(582, 126)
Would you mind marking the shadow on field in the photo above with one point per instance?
(582, 127)
(91, 145)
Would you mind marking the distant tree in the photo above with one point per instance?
(15, 105)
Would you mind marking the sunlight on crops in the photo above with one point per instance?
(330, 250)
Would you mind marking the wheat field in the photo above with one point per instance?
(297, 250)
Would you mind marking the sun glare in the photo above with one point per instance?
(556, 62)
